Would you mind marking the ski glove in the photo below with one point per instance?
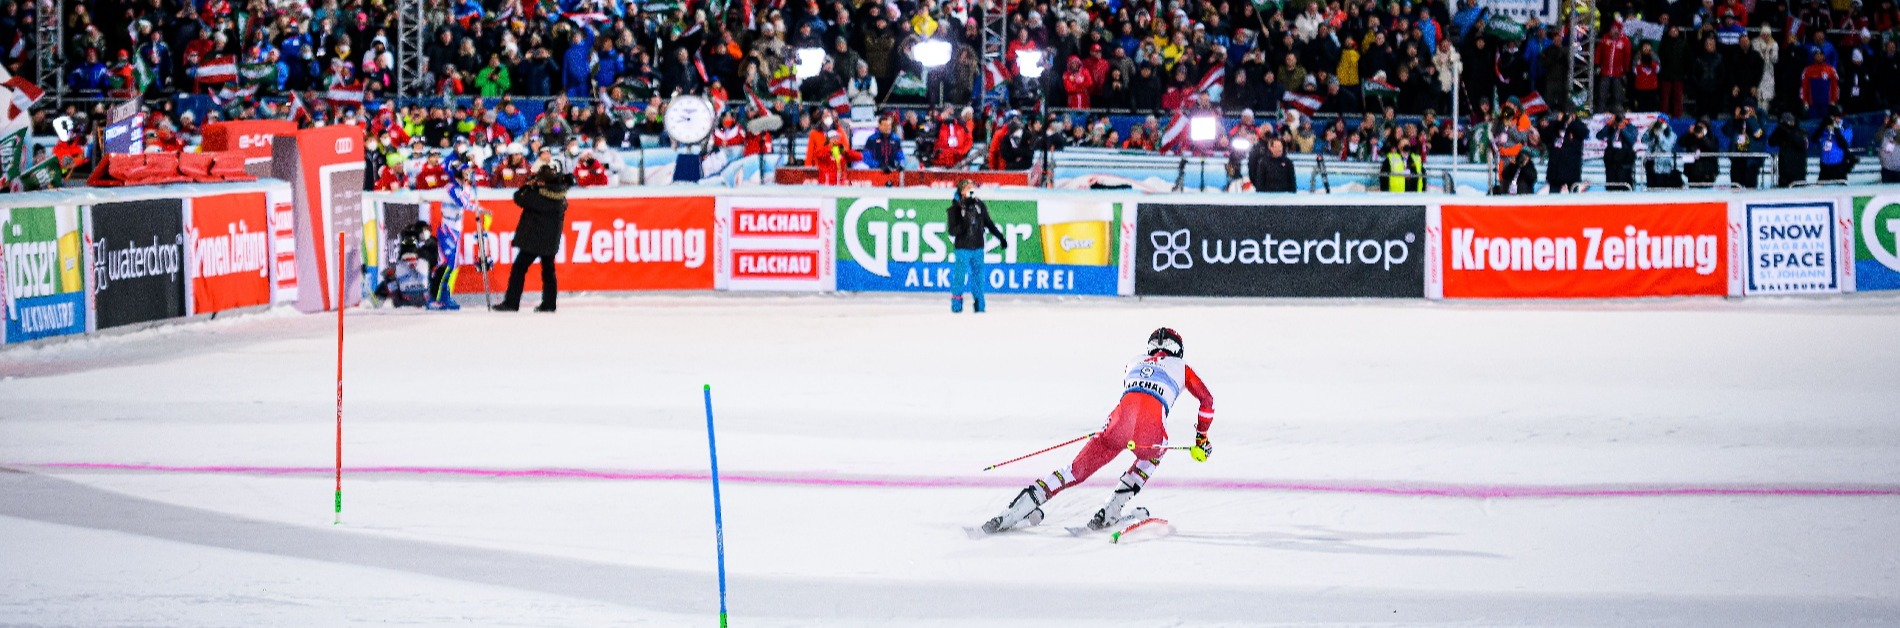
(1202, 449)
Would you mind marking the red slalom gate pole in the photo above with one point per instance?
(1042, 451)
(340, 242)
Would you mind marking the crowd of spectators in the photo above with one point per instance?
(1350, 79)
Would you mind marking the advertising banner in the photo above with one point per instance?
(778, 244)
(1791, 248)
(1876, 236)
(138, 261)
(251, 138)
(1280, 251)
(124, 132)
(610, 244)
(1055, 247)
(229, 252)
(283, 246)
(324, 166)
(1566, 251)
(44, 273)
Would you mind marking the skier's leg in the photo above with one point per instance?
(1150, 435)
(1100, 449)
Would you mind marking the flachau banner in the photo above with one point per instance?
(1280, 251)
(41, 258)
(1055, 247)
(1876, 236)
(1791, 248)
(1568, 251)
(784, 244)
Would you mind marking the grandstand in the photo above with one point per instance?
(1046, 88)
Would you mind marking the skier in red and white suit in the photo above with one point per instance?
(1149, 388)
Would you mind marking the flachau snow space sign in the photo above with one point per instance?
(902, 245)
(1791, 248)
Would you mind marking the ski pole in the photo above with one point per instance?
(1132, 446)
(1042, 451)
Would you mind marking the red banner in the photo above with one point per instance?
(609, 244)
(230, 257)
(1556, 251)
(907, 178)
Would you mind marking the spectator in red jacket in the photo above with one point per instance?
(954, 139)
(432, 176)
(1613, 68)
(589, 172)
(1820, 86)
(1077, 84)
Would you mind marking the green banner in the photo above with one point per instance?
(45, 273)
(12, 152)
(1505, 27)
(1877, 243)
(42, 176)
(903, 245)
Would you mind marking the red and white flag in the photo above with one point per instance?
(1534, 104)
(299, 112)
(586, 18)
(757, 104)
(1175, 137)
(993, 74)
(1213, 79)
(785, 87)
(1305, 103)
(351, 93)
(25, 93)
(841, 103)
(222, 69)
(227, 94)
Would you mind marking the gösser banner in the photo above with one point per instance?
(1791, 248)
(138, 261)
(1632, 250)
(1055, 247)
(662, 243)
(44, 273)
(230, 252)
(1876, 238)
(1320, 251)
(778, 243)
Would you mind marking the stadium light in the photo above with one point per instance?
(1203, 128)
(933, 54)
(1029, 64)
(810, 62)
(1243, 144)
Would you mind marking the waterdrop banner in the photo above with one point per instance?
(1055, 246)
(1875, 231)
(229, 254)
(1791, 247)
(45, 273)
(1280, 251)
(1585, 251)
(138, 260)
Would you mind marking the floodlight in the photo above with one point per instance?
(1243, 144)
(810, 62)
(1203, 128)
(933, 53)
(1029, 63)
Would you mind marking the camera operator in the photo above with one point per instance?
(884, 150)
(1269, 166)
(543, 203)
(1833, 139)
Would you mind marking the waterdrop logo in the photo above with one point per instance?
(1171, 249)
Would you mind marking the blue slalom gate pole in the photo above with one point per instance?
(719, 522)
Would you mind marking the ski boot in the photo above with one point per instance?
(1103, 519)
(1025, 508)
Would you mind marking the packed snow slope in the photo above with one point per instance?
(1687, 462)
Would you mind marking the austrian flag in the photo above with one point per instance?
(217, 70)
(346, 94)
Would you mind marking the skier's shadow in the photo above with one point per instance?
(1329, 541)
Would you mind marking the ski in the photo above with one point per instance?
(1154, 527)
(1117, 526)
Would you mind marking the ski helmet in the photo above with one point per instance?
(1164, 340)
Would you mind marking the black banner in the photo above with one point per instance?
(138, 261)
(1280, 251)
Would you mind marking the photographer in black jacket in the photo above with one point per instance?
(1269, 166)
(543, 203)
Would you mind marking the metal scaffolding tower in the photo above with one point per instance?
(49, 46)
(412, 67)
(1581, 30)
(995, 37)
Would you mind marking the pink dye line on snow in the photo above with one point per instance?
(1402, 489)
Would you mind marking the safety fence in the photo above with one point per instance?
(81, 261)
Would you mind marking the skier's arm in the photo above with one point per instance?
(1199, 390)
